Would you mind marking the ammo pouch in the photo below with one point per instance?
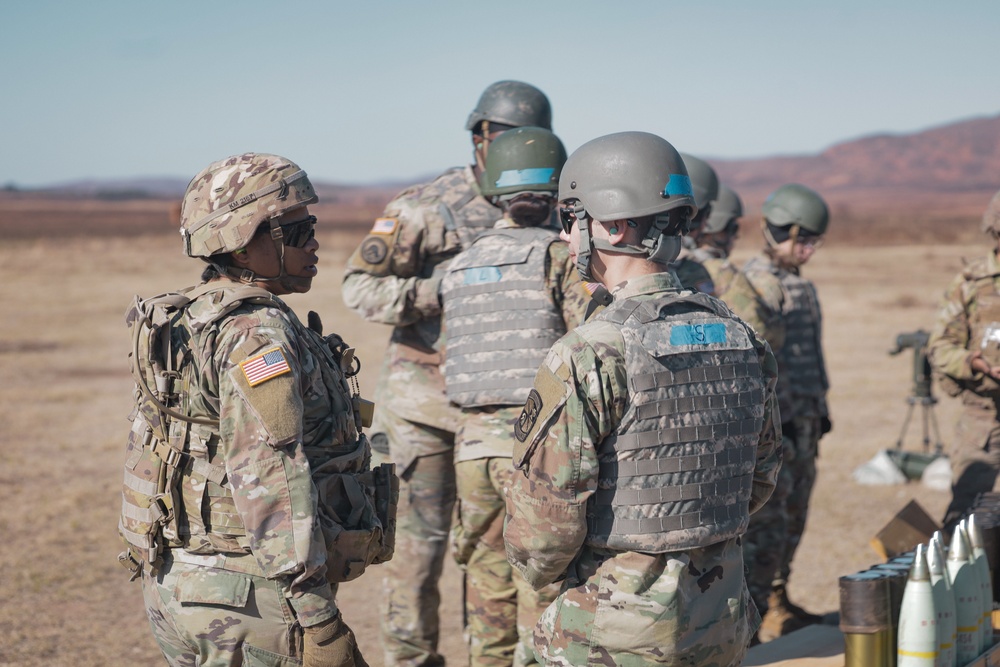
(357, 513)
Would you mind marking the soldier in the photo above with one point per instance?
(648, 438)
(705, 184)
(394, 278)
(964, 350)
(795, 219)
(506, 299)
(716, 237)
(245, 439)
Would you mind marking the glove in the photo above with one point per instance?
(331, 644)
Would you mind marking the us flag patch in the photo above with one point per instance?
(263, 367)
(384, 226)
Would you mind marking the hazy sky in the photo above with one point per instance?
(362, 91)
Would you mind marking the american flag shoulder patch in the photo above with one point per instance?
(384, 226)
(264, 366)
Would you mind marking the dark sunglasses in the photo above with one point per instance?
(567, 216)
(297, 234)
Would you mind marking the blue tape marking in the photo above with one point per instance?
(525, 177)
(698, 334)
(678, 184)
(484, 274)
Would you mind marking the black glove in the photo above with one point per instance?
(825, 425)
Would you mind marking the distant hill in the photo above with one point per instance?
(959, 157)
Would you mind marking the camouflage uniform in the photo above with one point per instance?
(500, 608)
(802, 385)
(248, 567)
(720, 270)
(969, 321)
(672, 593)
(692, 274)
(394, 278)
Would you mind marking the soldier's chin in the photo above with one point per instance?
(298, 284)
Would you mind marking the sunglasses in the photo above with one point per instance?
(297, 234)
(567, 216)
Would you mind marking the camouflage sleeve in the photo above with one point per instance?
(261, 413)
(769, 450)
(566, 286)
(947, 347)
(387, 279)
(758, 306)
(566, 416)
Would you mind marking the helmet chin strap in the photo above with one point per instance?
(656, 247)
(247, 276)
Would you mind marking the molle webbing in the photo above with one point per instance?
(500, 317)
(678, 473)
(714, 516)
(801, 352)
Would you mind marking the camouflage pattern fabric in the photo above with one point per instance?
(501, 609)
(970, 307)
(208, 616)
(394, 278)
(276, 427)
(691, 274)
(781, 294)
(619, 607)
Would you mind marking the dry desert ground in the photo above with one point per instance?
(65, 393)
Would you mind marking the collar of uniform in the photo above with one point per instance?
(647, 284)
(506, 223)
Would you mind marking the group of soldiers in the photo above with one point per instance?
(476, 304)
(611, 427)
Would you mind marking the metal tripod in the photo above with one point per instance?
(929, 422)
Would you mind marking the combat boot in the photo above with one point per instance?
(783, 616)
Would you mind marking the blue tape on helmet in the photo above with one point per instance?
(514, 177)
(678, 184)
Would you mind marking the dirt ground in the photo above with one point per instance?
(65, 393)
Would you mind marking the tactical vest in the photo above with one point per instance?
(678, 472)
(801, 356)
(984, 331)
(175, 493)
(499, 317)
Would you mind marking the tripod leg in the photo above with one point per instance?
(906, 423)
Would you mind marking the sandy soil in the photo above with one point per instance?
(65, 392)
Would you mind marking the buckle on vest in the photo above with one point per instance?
(131, 563)
(163, 506)
(166, 453)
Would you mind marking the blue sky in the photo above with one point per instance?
(364, 91)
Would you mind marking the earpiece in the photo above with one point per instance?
(613, 230)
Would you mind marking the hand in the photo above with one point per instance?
(825, 425)
(980, 365)
(331, 644)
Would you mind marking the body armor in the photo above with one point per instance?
(677, 474)
(500, 318)
(801, 357)
(175, 491)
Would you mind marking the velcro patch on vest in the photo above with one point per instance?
(265, 366)
(698, 334)
(482, 275)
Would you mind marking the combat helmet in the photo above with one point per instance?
(795, 204)
(704, 181)
(229, 199)
(512, 103)
(991, 216)
(521, 160)
(623, 176)
(726, 208)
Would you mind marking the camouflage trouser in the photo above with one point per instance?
(766, 539)
(206, 616)
(805, 435)
(501, 608)
(410, 595)
(975, 460)
(676, 609)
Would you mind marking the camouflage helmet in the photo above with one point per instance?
(512, 103)
(623, 176)
(795, 204)
(704, 180)
(229, 199)
(726, 208)
(523, 159)
(991, 216)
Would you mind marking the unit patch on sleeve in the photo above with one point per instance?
(374, 250)
(262, 367)
(529, 415)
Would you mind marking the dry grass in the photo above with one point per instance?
(65, 392)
